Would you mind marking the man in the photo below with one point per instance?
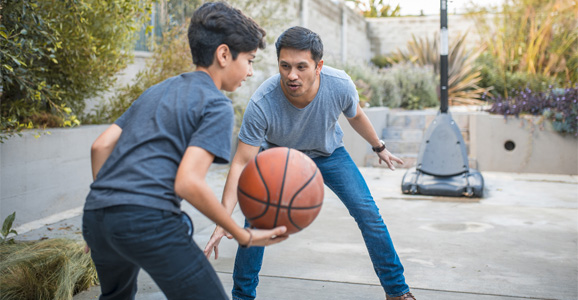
(157, 153)
(299, 108)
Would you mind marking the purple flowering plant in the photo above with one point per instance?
(559, 105)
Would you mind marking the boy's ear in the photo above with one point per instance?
(222, 55)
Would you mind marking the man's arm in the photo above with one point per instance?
(190, 185)
(244, 153)
(102, 147)
(363, 127)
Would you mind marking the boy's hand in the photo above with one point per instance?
(213, 243)
(262, 237)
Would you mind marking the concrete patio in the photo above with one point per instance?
(519, 242)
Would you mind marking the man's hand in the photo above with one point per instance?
(213, 243)
(389, 158)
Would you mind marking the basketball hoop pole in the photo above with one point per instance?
(444, 50)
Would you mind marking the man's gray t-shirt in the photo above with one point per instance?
(182, 111)
(270, 120)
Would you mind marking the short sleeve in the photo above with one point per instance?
(127, 115)
(350, 100)
(215, 130)
(254, 127)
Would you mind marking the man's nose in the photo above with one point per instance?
(292, 75)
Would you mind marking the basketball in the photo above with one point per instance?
(280, 186)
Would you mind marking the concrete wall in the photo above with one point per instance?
(537, 148)
(388, 34)
(43, 176)
(344, 33)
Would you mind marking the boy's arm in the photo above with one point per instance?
(363, 127)
(190, 185)
(245, 152)
(102, 148)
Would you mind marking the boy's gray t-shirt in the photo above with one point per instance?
(270, 120)
(182, 111)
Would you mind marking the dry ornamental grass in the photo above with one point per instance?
(48, 269)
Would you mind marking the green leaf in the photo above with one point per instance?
(7, 226)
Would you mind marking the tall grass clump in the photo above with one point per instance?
(531, 40)
(48, 269)
(463, 75)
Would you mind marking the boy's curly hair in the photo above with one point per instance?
(216, 23)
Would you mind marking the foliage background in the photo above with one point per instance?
(171, 56)
(57, 53)
(529, 43)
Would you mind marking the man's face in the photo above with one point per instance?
(299, 74)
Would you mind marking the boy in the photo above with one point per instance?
(157, 153)
(299, 108)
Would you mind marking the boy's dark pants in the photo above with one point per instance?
(124, 239)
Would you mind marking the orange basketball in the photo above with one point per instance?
(281, 186)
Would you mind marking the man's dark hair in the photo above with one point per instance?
(216, 23)
(301, 38)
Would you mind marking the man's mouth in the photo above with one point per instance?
(293, 86)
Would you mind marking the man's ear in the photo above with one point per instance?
(319, 66)
(222, 55)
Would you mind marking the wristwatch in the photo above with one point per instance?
(379, 148)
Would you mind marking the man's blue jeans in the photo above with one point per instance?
(124, 239)
(342, 176)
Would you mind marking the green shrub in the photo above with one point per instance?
(403, 85)
(415, 86)
(559, 105)
(98, 38)
(501, 82)
(28, 46)
(55, 54)
(370, 83)
(381, 61)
